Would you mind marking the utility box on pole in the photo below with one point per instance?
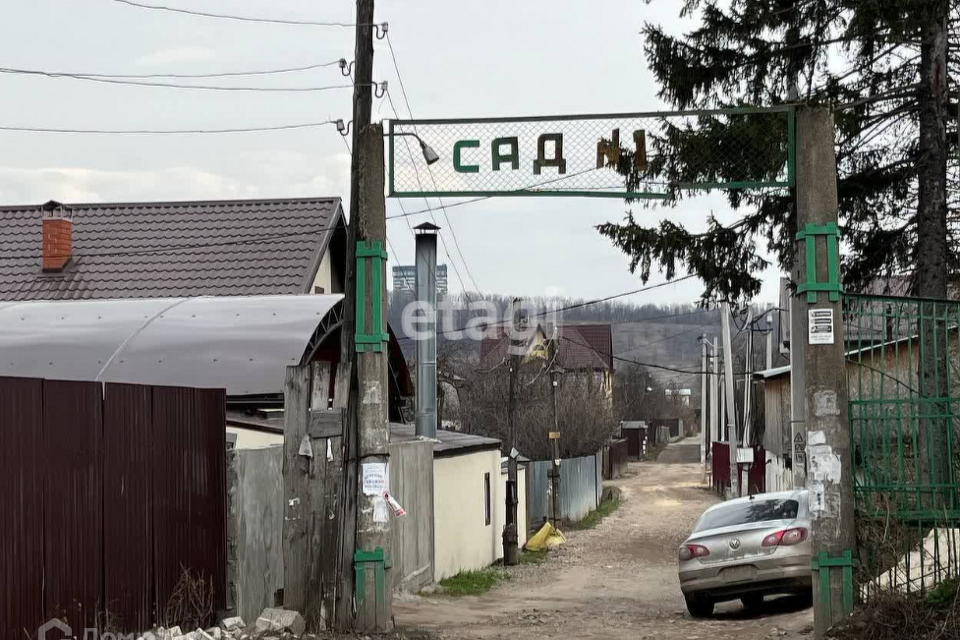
(829, 478)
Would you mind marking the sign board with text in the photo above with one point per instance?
(622, 155)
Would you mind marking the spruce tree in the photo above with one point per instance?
(882, 65)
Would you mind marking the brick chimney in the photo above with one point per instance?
(57, 237)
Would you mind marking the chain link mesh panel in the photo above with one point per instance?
(644, 155)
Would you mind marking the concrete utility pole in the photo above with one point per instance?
(820, 346)
(715, 419)
(510, 535)
(555, 434)
(704, 430)
(769, 337)
(747, 380)
(731, 404)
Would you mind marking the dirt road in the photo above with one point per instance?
(616, 581)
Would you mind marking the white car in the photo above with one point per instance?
(746, 549)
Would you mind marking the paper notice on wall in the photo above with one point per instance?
(375, 479)
(820, 329)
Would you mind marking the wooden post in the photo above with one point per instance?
(555, 434)
(311, 480)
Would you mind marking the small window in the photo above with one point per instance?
(486, 499)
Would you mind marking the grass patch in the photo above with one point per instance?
(654, 452)
(473, 583)
(595, 517)
(533, 557)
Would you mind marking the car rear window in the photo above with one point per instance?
(748, 512)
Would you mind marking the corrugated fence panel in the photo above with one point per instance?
(128, 436)
(21, 522)
(73, 501)
(189, 492)
(538, 487)
(581, 486)
(578, 487)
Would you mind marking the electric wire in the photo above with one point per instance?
(175, 85)
(580, 305)
(133, 76)
(406, 100)
(284, 127)
(222, 16)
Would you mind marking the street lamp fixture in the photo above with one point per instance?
(429, 155)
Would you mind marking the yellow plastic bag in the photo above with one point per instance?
(549, 537)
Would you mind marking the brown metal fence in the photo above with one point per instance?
(108, 492)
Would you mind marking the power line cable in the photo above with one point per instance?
(222, 16)
(580, 305)
(406, 99)
(174, 85)
(222, 74)
(529, 187)
(284, 127)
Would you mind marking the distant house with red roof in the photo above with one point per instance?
(584, 351)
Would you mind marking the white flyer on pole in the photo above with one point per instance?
(820, 329)
(374, 478)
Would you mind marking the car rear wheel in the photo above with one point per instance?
(699, 606)
(752, 602)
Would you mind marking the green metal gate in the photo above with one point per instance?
(903, 371)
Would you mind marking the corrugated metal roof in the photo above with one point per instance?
(167, 249)
(242, 344)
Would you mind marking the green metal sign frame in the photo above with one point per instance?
(832, 286)
(459, 135)
(375, 255)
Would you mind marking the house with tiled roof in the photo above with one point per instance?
(60, 251)
(584, 351)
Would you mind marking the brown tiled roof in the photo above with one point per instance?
(159, 249)
(582, 347)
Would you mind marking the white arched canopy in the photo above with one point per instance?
(242, 344)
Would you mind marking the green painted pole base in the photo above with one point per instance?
(379, 560)
(822, 565)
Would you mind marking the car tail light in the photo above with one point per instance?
(691, 551)
(787, 538)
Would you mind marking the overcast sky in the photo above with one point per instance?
(458, 58)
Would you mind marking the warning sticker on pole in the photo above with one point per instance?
(820, 329)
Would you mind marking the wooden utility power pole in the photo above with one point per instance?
(372, 592)
(510, 534)
(361, 380)
(555, 434)
(821, 347)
